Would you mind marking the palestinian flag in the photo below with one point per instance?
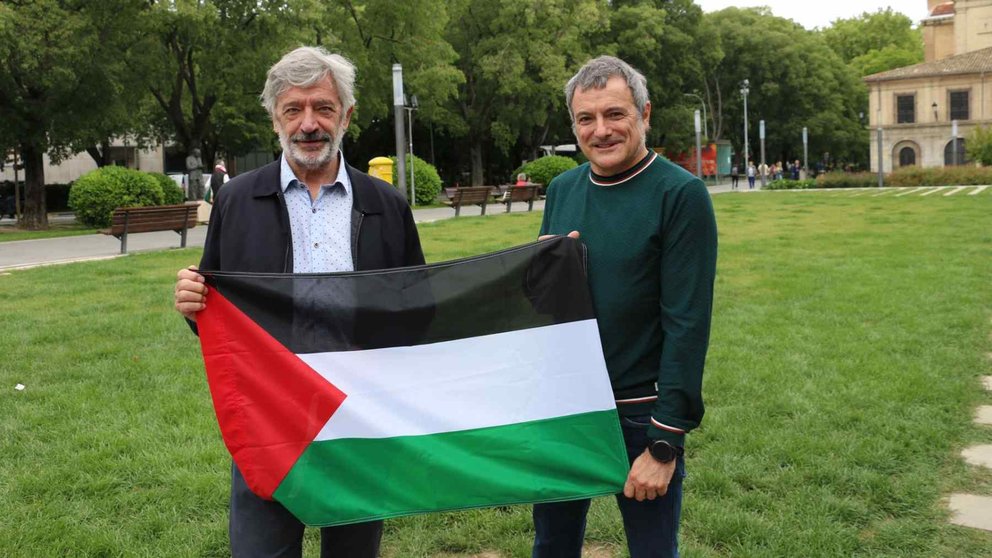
(349, 397)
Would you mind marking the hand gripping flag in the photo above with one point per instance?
(349, 397)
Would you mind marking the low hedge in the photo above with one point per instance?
(847, 180)
(96, 194)
(427, 182)
(172, 194)
(789, 184)
(542, 171)
(939, 176)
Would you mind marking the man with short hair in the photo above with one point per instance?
(651, 237)
(308, 212)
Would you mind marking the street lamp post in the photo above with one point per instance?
(744, 91)
(701, 102)
(764, 167)
(954, 141)
(398, 114)
(805, 152)
(414, 105)
(699, 148)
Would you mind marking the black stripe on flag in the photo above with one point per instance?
(533, 285)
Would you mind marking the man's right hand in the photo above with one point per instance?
(573, 234)
(191, 293)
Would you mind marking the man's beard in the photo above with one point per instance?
(310, 160)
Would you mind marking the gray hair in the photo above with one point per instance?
(304, 67)
(596, 72)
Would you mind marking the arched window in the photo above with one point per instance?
(950, 148)
(907, 157)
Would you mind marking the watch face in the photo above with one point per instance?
(662, 451)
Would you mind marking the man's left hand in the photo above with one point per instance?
(648, 478)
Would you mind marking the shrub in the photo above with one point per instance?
(426, 180)
(939, 176)
(789, 184)
(542, 171)
(96, 194)
(847, 180)
(172, 194)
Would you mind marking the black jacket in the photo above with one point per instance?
(250, 231)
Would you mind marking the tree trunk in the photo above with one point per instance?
(475, 151)
(100, 153)
(35, 216)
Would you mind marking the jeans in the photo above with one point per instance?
(265, 529)
(750, 183)
(651, 526)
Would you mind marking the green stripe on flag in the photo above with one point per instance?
(350, 480)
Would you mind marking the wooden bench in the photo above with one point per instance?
(178, 218)
(521, 194)
(473, 195)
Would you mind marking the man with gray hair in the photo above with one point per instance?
(650, 232)
(307, 212)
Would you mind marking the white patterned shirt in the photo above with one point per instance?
(321, 228)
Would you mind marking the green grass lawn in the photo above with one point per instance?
(848, 340)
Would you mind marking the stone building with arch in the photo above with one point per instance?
(916, 105)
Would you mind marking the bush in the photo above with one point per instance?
(96, 194)
(847, 180)
(542, 171)
(940, 176)
(172, 194)
(789, 184)
(427, 182)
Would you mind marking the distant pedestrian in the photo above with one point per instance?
(778, 171)
(734, 176)
(795, 170)
(218, 178)
(752, 172)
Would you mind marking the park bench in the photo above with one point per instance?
(521, 194)
(472, 195)
(176, 218)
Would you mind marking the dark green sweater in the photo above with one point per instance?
(651, 238)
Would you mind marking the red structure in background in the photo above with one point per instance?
(687, 160)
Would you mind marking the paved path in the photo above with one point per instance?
(24, 254)
(971, 510)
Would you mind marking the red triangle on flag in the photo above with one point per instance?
(270, 405)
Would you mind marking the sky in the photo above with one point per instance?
(820, 13)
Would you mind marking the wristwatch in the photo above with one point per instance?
(664, 452)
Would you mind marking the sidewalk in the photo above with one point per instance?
(23, 254)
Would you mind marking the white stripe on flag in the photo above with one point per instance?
(477, 382)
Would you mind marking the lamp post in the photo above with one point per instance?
(398, 105)
(954, 141)
(699, 148)
(805, 152)
(701, 102)
(764, 168)
(414, 105)
(744, 91)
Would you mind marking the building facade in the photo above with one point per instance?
(917, 106)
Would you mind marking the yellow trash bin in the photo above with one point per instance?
(382, 168)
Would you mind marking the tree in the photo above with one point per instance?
(516, 55)
(979, 145)
(204, 64)
(796, 81)
(875, 42)
(56, 77)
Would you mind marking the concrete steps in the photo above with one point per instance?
(971, 510)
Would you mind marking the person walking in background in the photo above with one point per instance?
(650, 232)
(752, 172)
(795, 170)
(778, 171)
(218, 178)
(734, 176)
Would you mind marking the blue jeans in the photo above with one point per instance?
(265, 529)
(652, 526)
